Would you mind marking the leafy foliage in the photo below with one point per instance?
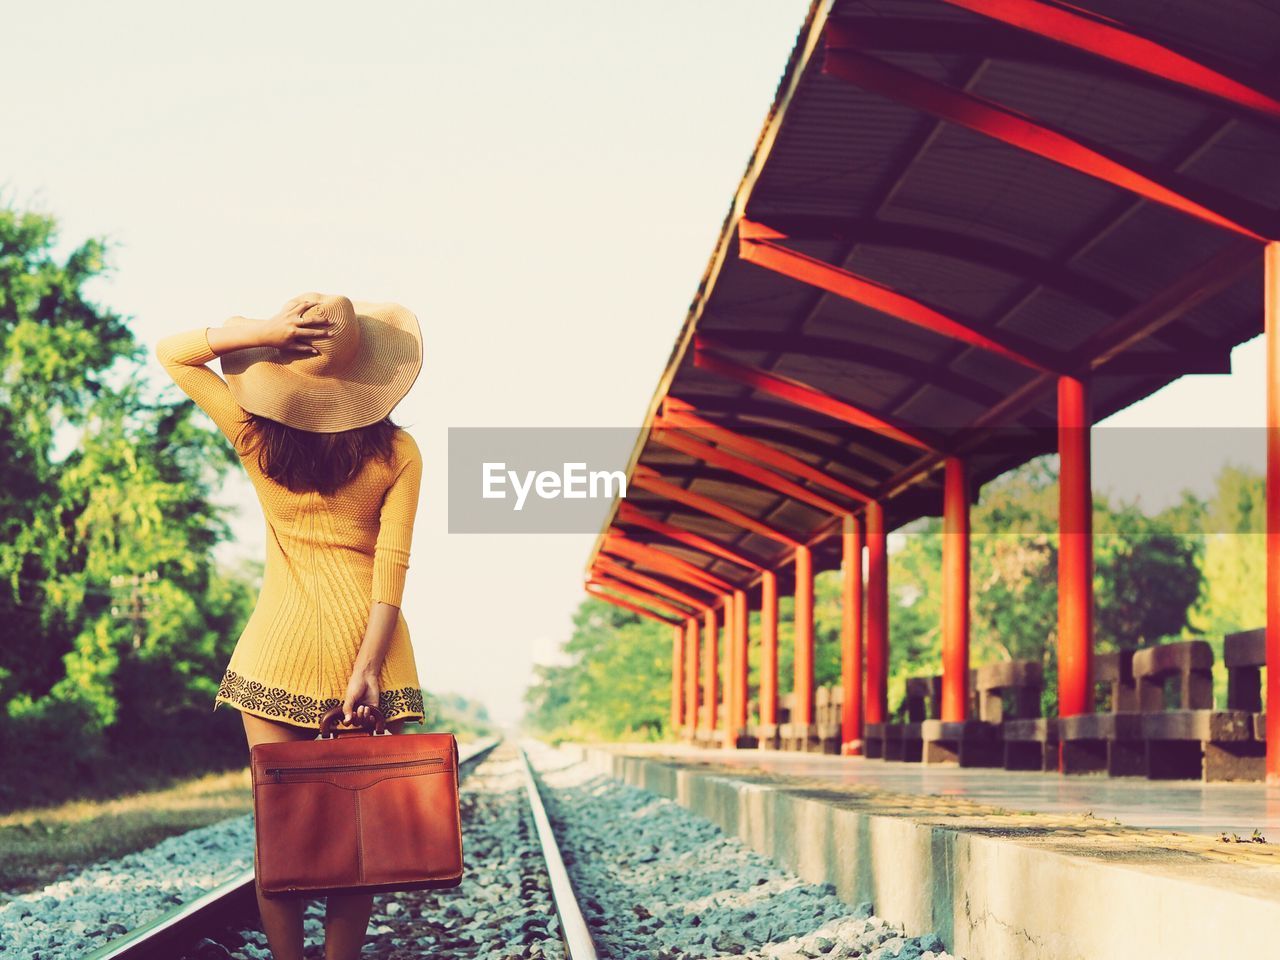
(1233, 526)
(1146, 577)
(616, 684)
(465, 719)
(82, 687)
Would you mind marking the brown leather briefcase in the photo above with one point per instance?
(356, 811)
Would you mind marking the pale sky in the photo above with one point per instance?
(541, 182)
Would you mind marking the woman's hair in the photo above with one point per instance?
(303, 460)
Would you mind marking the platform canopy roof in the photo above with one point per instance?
(953, 203)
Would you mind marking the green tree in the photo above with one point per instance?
(98, 481)
(462, 717)
(1234, 562)
(1146, 577)
(617, 683)
(55, 348)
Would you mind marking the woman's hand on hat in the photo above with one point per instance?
(289, 330)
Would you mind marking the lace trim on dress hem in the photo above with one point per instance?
(257, 697)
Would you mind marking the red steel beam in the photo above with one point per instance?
(664, 563)
(1119, 43)
(1075, 551)
(661, 433)
(673, 566)
(875, 702)
(744, 639)
(711, 668)
(1272, 323)
(768, 647)
(1006, 258)
(627, 605)
(616, 570)
(802, 690)
(730, 670)
(851, 649)
(777, 421)
(762, 246)
(680, 413)
(691, 676)
(635, 593)
(800, 394)
(955, 591)
(735, 643)
(629, 514)
(677, 675)
(646, 478)
(1000, 123)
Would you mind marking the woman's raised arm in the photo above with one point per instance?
(185, 355)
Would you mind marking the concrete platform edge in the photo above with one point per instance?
(987, 898)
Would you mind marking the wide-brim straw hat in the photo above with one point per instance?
(366, 364)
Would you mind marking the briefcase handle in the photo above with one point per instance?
(334, 714)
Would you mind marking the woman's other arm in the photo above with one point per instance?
(390, 567)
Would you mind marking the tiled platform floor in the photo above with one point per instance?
(1180, 805)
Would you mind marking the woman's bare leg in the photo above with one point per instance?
(346, 921)
(281, 916)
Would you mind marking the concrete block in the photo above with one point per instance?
(873, 742)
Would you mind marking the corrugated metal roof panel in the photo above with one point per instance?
(1137, 120)
(1056, 321)
(970, 182)
(1244, 160)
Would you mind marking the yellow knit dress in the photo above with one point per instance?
(328, 558)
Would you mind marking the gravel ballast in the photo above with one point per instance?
(658, 882)
(92, 905)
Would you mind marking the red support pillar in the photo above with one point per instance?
(768, 647)
(851, 652)
(691, 677)
(802, 691)
(876, 708)
(1075, 550)
(677, 676)
(1272, 301)
(711, 668)
(955, 591)
(731, 686)
(740, 628)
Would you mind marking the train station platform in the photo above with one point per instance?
(998, 864)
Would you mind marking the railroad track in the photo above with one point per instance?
(234, 903)
(574, 932)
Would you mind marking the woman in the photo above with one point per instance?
(306, 404)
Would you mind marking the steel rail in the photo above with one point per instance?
(159, 939)
(573, 927)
